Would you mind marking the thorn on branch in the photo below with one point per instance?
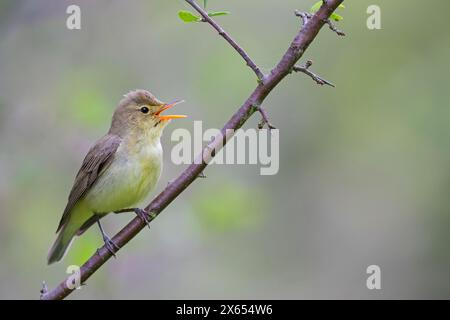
(334, 28)
(304, 15)
(264, 120)
(201, 175)
(315, 77)
(43, 290)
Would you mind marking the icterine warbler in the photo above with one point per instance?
(119, 170)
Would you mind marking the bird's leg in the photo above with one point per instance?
(109, 244)
(141, 213)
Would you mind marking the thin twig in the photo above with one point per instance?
(228, 38)
(265, 119)
(315, 77)
(44, 289)
(202, 175)
(295, 51)
(334, 28)
(306, 16)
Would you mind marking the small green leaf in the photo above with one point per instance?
(188, 16)
(336, 17)
(218, 13)
(205, 2)
(316, 6)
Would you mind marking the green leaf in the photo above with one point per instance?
(218, 13)
(336, 17)
(188, 16)
(205, 2)
(316, 6)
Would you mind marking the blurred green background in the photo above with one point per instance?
(364, 168)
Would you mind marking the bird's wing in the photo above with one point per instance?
(94, 164)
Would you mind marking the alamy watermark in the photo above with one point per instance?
(73, 282)
(374, 280)
(374, 20)
(73, 21)
(250, 146)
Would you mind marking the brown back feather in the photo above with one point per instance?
(94, 164)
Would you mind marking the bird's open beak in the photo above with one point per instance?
(171, 116)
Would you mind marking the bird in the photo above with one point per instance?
(118, 172)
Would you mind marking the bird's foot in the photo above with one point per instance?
(143, 214)
(110, 245)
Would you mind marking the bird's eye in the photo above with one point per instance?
(144, 110)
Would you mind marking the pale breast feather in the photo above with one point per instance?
(128, 180)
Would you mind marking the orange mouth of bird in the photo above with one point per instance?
(169, 116)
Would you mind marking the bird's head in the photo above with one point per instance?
(140, 112)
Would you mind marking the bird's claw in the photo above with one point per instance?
(143, 214)
(111, 246)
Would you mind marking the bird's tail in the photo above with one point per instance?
(59, 248)
(78, 217)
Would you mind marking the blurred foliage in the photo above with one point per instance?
(230, 207)
(84, 104)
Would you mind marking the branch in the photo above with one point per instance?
(306, 16)
(228, 38)
(334, 28)
(315, 77)
(265, 119)
(295, 51)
